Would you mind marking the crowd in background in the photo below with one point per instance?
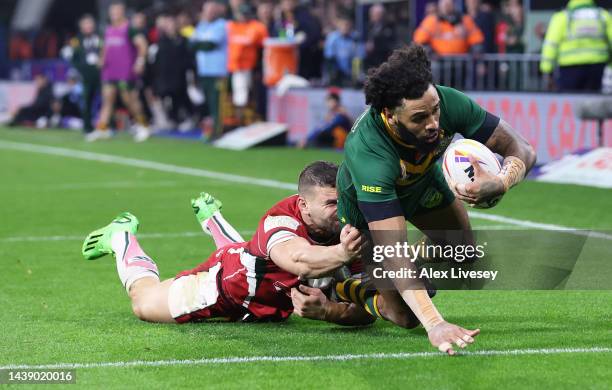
(328, 28)
(202, 66)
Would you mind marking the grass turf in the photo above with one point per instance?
(59, 308)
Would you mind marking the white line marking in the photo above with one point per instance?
(111, 185)
(97, 185)
(174, 235)
(539, 225)
(112, 159)
(493, 227)
(280, 359)
(82, 237)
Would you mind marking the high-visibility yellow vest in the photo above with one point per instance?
(581, 34)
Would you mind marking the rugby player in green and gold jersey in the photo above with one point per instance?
(390, 176)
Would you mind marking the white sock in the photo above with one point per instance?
(132, 262)
(222, 232)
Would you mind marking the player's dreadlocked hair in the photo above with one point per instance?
(405, 75)
(317, 174)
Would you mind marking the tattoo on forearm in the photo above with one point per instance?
(512, 172)
(507, 142)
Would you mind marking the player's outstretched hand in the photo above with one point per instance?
(484, 187)
(445, 334)
(352, 242)
(308, 302)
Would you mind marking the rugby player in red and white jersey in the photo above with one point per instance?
(298, 238)
(359, 301)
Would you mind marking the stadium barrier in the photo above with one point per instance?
(15, 94)
(549, 121)
(490, 72)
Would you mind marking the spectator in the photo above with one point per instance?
(209, 41)
(151, 103)
(296, 22)
(67, 108)
(448, 32)
(431, 8)
(508, 36)
(123, 58)
(482, 14)
(265, 14)
(341, 49)
(40, 107)
(139, 22)
(84, 55)
(170, 67)
(381, 39)
(234, 8)
(578, 39)
(185, 24)
(509, 30)
(345, 7)
(245, 37)
(332, 133)
(540, 32)
(144, 80)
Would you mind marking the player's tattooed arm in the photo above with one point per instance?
(519, 155)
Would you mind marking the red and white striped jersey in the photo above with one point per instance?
(268, 290)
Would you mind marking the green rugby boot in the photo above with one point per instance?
(98, 242)
(205, 205)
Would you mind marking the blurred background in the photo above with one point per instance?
(291, 71)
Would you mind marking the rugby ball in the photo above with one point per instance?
(458, 170)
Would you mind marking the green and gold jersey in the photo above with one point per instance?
(379, 167)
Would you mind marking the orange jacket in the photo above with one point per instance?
(245, 39)
(446, 39)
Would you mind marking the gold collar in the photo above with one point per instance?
(392, 133)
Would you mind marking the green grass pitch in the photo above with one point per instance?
(59, 308)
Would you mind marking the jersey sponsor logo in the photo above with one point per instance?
(374, 189)
(276, 221)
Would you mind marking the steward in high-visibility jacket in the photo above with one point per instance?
(579, 40)
(450, 34)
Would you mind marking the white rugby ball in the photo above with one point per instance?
(458, 170)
